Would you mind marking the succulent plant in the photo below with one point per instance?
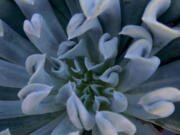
(90, 67)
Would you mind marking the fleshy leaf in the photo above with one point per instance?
(5, 132)
(40, 34)
(91, 66)
(119, 102)
(80, 117)
(136, 32)
(167, 93)
(162, 34)
(110, 123)
(95, 7)
(168, 71)
(139, 68)
(13, 47)
(136, 110)
(144, 128)
(111, 75)
(78, 25)
(114, 14)
(35, 99)
(108, 46)
(12, 75)
(140, 48)
(10, 109)
(161, 108)
(65, 93)
(42, 7)
(65, 127)
(29, 123)
(37, 65)
(70, 50)
(172, 122)
(47, 129)
(159, 102)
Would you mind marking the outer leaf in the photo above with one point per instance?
(39, 33)
(10, 109)
(65, 127)
(114, 14)
(168, 71)
(165, 76)
(162, 34)
(26, 125)
(5, 132)
(110, 123)
(12, 75)
(143, 128)
(42, 7)
(170, 52)
(171, 123)
(13, 47)
(47, 129)
(8, 12)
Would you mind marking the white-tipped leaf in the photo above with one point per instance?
(161, 109)
(65, 93)
(119, 102)
(162, 34)
(159, 102)
(39, 33)
(167, 93)
(111, 123)
(5, 132)
(111, 12)
(137, 71)
(70, 50)
(61, 70)
(73, 112)
(78, 114)
(140, 48)
(111, 75)
(33, 62)
(35, 99)
(94, 7)
(136, 32)
(38, 66)
(78, 25)
(105, 127)
(108, 46)
(43, 7)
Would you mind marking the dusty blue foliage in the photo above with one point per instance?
(100, 75)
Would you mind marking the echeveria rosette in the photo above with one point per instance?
(76, 84)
